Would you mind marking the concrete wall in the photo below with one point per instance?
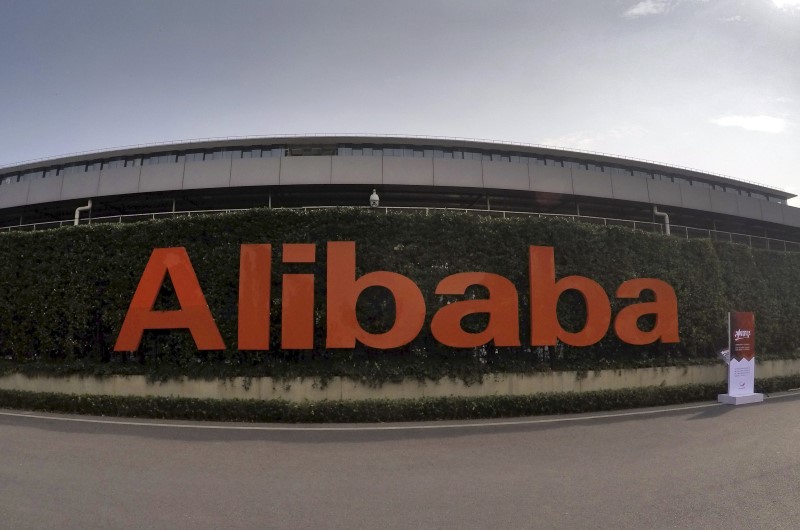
(340, 388)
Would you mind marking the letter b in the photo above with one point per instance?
(344, 290)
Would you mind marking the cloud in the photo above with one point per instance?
(787, 4)
(759, 123)
(735, 18)
(588, 140)
(647, 8)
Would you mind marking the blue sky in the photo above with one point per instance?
(709, 84)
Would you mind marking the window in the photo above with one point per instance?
(163, 158)
(30, 175)
(114, 164)
(72, 169)
(254, 152)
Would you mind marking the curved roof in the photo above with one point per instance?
(487, 146)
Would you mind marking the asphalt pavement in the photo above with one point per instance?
(701, 466)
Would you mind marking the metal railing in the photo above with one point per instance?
(386, 138)
(686, 232)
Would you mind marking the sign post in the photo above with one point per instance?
(742, 367)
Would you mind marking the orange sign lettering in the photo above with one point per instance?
(343, 290)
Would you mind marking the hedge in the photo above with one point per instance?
(65, 292)
(375, 410)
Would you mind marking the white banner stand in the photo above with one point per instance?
(742, 365)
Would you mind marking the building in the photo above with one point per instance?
(414, 172)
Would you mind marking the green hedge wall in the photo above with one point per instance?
(65, 292)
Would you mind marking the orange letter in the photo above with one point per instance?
(665, 308)
(501, 305)
(255, 262)
(297, 314)
(545, 292)
(343, 293)
(193, 314)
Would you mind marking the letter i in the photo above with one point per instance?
(297, 315)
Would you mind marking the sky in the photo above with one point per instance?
(706, 84)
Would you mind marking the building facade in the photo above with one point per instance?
(406, 172)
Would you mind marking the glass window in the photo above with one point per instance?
(219, 154)
(52, 172)
(133, 162)
(30, 175)
(8, 179)
(74, 168)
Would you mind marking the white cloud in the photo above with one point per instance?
(589, 140)
(787, 4)
(647, 8)
(760, 123)
(735, 18)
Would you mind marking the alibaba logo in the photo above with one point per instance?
(343, 290)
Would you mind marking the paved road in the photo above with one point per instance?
(702, 467)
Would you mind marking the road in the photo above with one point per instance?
(706, 466)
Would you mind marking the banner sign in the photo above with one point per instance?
(741, 340)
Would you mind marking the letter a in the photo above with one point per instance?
(545, 292)
(502, 307)
(665, 308)
(193, 315)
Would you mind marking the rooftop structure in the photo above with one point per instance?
(292, 171)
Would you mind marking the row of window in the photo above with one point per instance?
(368, 150)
